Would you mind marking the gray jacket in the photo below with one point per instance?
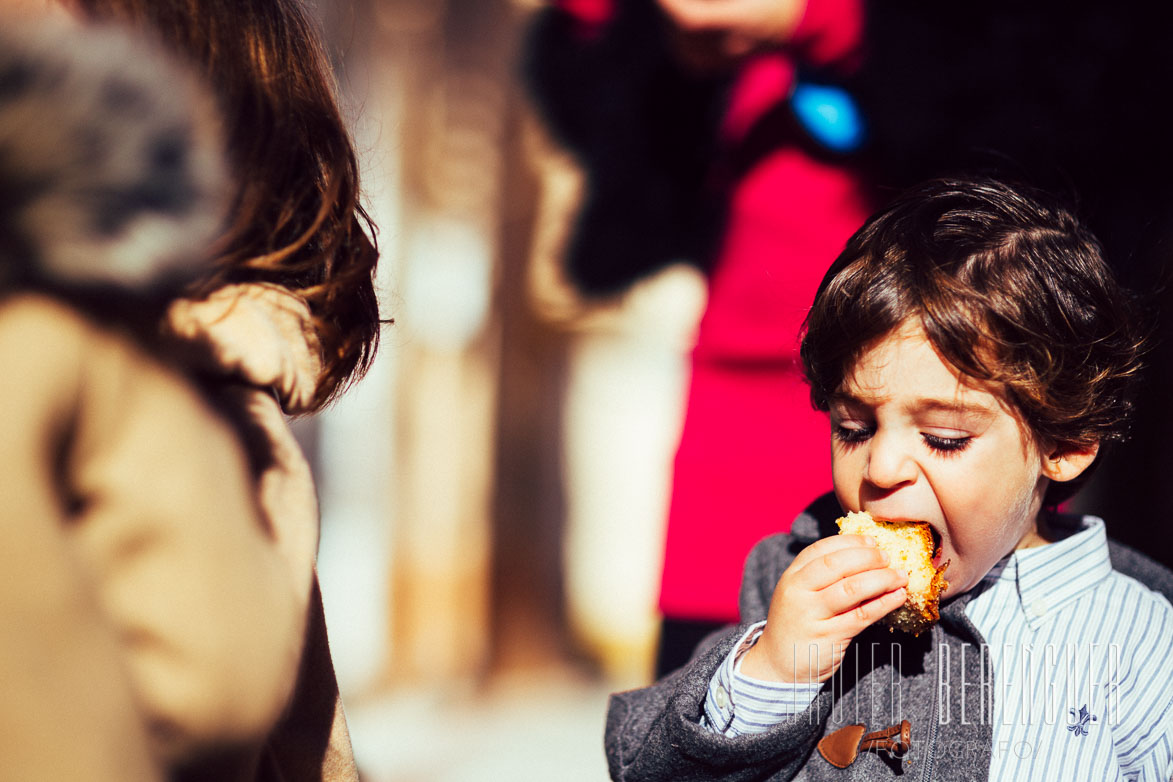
(655, 733)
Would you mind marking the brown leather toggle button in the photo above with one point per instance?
(842, 747)
(896, 740)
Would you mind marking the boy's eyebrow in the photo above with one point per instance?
(922, 405)
(950, 406)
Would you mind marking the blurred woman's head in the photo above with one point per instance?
(296, 219)
(113, 179)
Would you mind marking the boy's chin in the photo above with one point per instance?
(961, 580)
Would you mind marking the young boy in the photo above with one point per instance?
(974, 353)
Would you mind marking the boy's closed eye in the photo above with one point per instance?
(851, 433)
(946, 426)
(854, 434)
(947, 444)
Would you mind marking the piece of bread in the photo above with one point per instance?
(911, 547)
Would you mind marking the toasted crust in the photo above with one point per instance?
(910, 545)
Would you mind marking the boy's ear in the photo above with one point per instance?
(1068, 464)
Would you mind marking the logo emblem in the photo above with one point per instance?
(1081, 721)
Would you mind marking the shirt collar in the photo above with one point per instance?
(1051, 576)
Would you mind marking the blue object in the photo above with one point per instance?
(829, 115)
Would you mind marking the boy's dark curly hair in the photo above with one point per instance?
(1010, 289)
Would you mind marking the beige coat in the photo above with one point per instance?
(124, 492)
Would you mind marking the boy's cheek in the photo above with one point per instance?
(845, 483)
(848, 500)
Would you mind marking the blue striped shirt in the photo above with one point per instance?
(1082, 661)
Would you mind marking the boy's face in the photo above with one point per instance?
(910, 440)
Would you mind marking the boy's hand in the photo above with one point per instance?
(834, 589)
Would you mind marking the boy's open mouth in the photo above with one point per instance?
(937, 552)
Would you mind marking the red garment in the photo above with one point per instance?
(753, 453)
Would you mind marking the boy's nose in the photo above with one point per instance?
(889, 462)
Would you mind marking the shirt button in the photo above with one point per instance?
(721, 698)
(1038, 608)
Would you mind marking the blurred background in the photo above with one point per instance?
(494, 493)
(467, 645)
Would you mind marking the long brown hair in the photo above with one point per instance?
(296, 219)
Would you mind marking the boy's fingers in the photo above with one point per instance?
(834, 566)
(853, 622)
(847, 593)
(827, 545)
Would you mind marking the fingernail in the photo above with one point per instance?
(887, 557)
(870, 540)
